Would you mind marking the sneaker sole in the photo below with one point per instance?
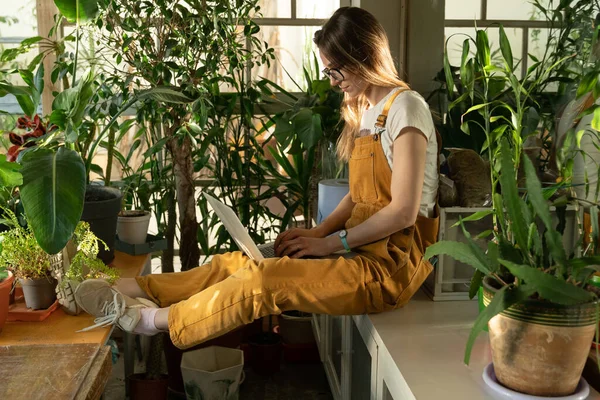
(65, 290)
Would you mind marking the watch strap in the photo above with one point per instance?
(345, 243)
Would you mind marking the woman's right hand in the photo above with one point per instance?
(293, 233)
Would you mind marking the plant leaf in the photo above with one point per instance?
(511, 197)
(10, 174)
(505, 49)
(88, 9)
(53, 191)
(549, 286)
(476, 216)
(475, 284)
(459, 251)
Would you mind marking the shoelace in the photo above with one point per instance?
(112, 312)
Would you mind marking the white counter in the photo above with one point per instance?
(424, 345)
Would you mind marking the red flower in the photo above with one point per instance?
(13, 152)
(34, 128)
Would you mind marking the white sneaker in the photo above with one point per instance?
(109, 306)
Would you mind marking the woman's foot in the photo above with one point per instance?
(111, 307)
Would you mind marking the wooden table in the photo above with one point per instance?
(61, 329)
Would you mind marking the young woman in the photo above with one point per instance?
(387, 220)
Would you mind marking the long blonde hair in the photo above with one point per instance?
(355, 41)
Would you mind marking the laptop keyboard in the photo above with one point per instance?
(267, 250)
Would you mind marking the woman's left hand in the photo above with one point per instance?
(303, 246)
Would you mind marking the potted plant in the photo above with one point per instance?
(22, 254)
(533, 290)
(152, 384)
(79, 262)
(6, 284)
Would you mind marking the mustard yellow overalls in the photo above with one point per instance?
(233, 290)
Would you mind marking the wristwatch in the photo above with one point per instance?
(342, 236)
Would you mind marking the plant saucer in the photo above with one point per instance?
(501, 392)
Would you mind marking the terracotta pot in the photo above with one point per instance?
(540, 348)
(5, 287)
(141, 388)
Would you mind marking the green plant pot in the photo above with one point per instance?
(538, 347)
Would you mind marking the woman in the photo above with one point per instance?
(387, 219)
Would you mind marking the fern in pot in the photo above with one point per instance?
(541, 312)
(30, 264)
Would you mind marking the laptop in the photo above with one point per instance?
(237, 231)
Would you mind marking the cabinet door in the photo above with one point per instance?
(365, 354)
(332, 358)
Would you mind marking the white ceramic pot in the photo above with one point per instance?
(132, 227)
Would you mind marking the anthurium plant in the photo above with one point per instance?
(526, 257)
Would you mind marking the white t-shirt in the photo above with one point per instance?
(408, 109)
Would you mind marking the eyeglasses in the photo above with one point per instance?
(334, 73)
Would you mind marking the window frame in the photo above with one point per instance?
(484, 22)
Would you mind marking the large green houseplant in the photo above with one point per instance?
(533, 290)
(305, 132)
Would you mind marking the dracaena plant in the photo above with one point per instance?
(526, 258)
(310, 120)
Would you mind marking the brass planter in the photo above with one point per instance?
(540, 348)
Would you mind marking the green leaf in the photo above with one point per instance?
(503, 299)
(483, 48)
(535, 194)
(475, 284)
(307, 127)
(163, 94)
(53, 191)
(587, 83)
(10, 174)
(511, 197)
(459, 251)
(464, 73)
(476, 216)
(505, 49)
(448, 75)
(88, 9)
(548, 286)
(596, 119)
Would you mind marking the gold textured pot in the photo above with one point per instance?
(540, 348)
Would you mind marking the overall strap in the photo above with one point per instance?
(382, 118)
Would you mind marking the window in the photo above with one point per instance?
(288, 26)
(524, 25)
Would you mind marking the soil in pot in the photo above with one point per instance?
(540, 348)
(5, 289)
(266, 350)
(100, 210)
(141, 388)
(39, 293)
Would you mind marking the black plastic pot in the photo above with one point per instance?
(39, 293)
(266, 350)
(100, 210)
